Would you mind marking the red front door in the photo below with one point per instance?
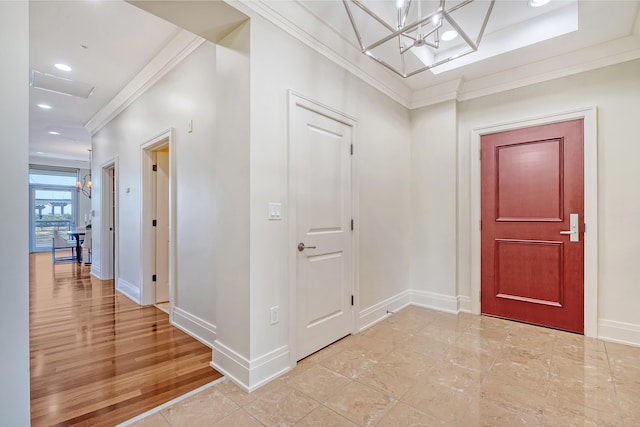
(532, 181)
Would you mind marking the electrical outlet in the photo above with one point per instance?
(275, 316)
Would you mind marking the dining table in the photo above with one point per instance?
(76, 234)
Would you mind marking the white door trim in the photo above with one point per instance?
(295, 100)
(105, 197)
(147, 248)
(589, 115)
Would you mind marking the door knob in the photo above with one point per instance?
(302, 247)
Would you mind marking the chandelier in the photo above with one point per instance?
(85, 185)
(411, 36)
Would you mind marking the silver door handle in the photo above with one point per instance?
(302, 247)
(573, 225)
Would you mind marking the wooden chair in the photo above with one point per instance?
(59, 243)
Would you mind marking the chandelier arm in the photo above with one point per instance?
(486, 20)
(435, 29)
(409, 36)
(373, 15)
(460, 31)
(406, 49)
(409, 27)
(353, 24)
(457, 6)
(443, 61)
(387, 65)
(406, 13)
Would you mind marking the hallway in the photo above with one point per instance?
(97, 358)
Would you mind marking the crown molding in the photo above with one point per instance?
(339, 50)
(293, 18)
(437, 93)
(180, 46)
(328, 43)
(579, 61)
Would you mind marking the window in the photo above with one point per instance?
(54, 204)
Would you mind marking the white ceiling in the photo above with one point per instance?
(122, 39)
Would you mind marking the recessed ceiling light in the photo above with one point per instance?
(537, 3)
(39, 152)
(449, 35)
(63, 67)
(53, 132)
(44, 106)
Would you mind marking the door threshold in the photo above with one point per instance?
(162, 306)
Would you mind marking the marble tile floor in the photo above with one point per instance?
(421, 367)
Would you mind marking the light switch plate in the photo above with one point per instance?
(275, 211)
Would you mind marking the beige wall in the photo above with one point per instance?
(186, 93)
(615, 91)
(280, 63)
(434, 206)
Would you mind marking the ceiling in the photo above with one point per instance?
(110, 44)
(106, 43)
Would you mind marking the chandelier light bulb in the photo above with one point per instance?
(537, 3)
(449, 35)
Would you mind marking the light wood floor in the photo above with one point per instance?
(96, 357)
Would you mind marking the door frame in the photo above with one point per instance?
(147, 238)
(107, 256)
(296, 100)
(589, 115)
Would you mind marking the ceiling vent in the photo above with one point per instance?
(60, 85)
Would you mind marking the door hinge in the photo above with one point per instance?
(584, 230)
(480, 154)
(351, 299)
(480, 225)
(351, 224)
(155, 168)
(153, 278)
(154, 223)
(352, 149)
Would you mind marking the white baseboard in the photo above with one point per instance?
(374, 314)
(464, 304)
(95, 271)
(435, 301)
(620, 332)
(231, 364)
(194, 326)
(250, 375)
(268, 367)
(128, 290)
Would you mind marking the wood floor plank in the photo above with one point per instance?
(97, 358)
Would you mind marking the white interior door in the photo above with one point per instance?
(162, 225)
(322, 183)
